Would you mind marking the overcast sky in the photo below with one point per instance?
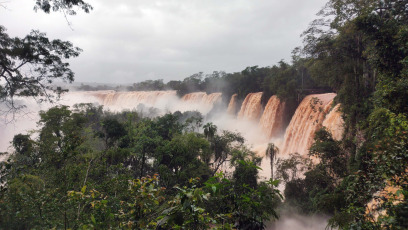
(126, 41)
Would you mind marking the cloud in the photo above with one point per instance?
(134, 40)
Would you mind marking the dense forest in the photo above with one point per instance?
(93, 169)
(87, 168)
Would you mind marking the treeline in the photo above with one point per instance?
(288, 81)
(86, 87)
(91, 169)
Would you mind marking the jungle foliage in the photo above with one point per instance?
(88, 168)
(358, 48)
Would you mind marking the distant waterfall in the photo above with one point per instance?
(232, 106)
(271, 121)
(251, 107)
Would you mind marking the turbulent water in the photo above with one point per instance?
(202, 98)
(334, 123)
(251, 108)
(232, 106)
(165, 101)
(201, 101)
(130, 99)
(307, 119)
(118, 101)
(271, 121)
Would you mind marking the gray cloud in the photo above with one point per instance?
(134, 40)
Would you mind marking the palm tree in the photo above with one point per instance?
(210, 130)
(271, 152)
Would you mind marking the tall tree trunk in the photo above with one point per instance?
(143, 163)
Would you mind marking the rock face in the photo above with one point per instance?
(251, 107)
(307, 119)
(271, 121)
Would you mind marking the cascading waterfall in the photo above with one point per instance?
(307, 119)
(311, 114)
(232, 106)
(199, 101)
(212, 98)
(144, 97)
(194, 97)
(163, 100)
(130, 100)
(271, 121)
(202, 98)
(334, 123)
(251, 107)
(258, 127)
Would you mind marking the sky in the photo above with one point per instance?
(127, 41)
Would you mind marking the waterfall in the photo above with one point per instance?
(163, 100)
(202, 98)
(313, 113)
(334, 123)
(271, 121)
(199, 101)
(194, 97)
(307, 119)
(130, 100)
(251, 107)
(232, 106)
(212, 99)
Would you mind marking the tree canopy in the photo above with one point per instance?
(29, 65)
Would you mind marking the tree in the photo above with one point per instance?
(112, 131)
(179, 159)
(22, 144)
(223, 148)
(210, 130)
(29, 65)
(64, 178)
(331, 156)
(363, 56)
(271, 152)
(289, 169)
(66, 6)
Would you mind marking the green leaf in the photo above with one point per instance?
(214, 188)
(93, 219)
(83, 189)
